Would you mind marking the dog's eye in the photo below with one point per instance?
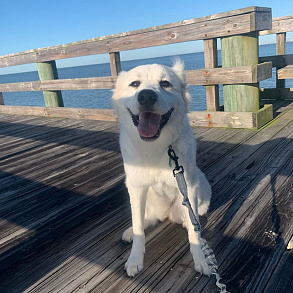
(135, 83)
(165, 83)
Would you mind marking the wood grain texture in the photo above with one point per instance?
(211, 61)
(285, 72)
(281, 24)
(252, 120)
(280, 50)
(278, 60)
(115, 63)
(63, 198)
(74, 113)
(48, 71)
(219, 25)
(207, 76)
(61, 84)
(241, 50)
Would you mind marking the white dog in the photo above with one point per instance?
(151, 102)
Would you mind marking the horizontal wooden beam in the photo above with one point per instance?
(74, 113)
(285, 72)
(278, 60)
(219, 25)
(276, 94)
(107, 82)
(253, 120)
(228, 75)
(279, 25)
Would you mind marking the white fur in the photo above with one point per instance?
(153, 191)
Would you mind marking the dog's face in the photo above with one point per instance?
(152, 98)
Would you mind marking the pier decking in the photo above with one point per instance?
(64, 207)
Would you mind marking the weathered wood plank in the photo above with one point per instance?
(282, 279)
(73, 184)
(265, 246)
(263, 116)
(278, 61)
(48, 71)
(211, 61)
(219, 119)
(286, 72)
(245, 169)
(219, 25)
(1, 99)
(61, 84)
(76, 113)
(279, 25)
(280, 50)
(230, 75)
(240, 50)
(250, 167)
(281, 43)
(207, 119)
(276, 94)
(232, 119)
(241, 74)
(263, 71)
(115, 63)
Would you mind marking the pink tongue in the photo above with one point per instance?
(149, 124)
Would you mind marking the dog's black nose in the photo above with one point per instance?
(147, 98)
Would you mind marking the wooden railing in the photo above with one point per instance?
(281, 61)
(235, 28)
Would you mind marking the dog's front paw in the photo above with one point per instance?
(127, 235)
(200, 263)
(134, 265)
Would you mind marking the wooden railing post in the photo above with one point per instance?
(211, 61)
(48, 71)
(1, 99)
(115, 63)
(240, 50)
(280, 50)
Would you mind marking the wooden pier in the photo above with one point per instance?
(63, 202)
(64, 207)
(240, 72)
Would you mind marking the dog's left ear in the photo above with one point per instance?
(178, 67)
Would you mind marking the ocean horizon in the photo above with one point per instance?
(102, 98)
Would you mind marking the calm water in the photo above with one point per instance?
(102, 98)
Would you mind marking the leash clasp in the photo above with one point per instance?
(173, 157)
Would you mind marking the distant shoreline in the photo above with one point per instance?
(271, 43)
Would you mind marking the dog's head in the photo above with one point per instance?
(152, 98)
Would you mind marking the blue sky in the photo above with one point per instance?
(34, 24)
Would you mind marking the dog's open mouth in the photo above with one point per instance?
(150, 124)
